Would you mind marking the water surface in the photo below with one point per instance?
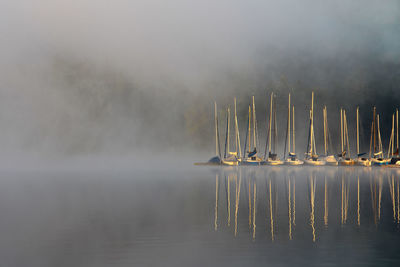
(201, 216)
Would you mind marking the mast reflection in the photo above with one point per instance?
(291, 192)
(326, 202)
(358, 200)
(345, 185)
(331, 190)
(216, 203)
(237, 198)
(312, 202)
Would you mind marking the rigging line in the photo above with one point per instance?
(245, 141)
(226, 133)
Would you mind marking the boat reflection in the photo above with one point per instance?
(312, 206)
(216, 202)
(326, 210)
(291, 184)
(339, 196)
(237, 198)
(345, 185)
(394, 195)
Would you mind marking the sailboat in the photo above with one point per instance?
(344, 139)
(216, 160)
(232, 158)
(329, 158)
(292, 158)
(376, 150)
(395, 159)
(272, 158)
(362, 161)
(251, 158)
(311, 157)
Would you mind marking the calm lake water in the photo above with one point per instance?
(201, 216)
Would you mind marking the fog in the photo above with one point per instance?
(84, 78)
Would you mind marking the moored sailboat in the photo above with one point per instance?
(311, 156)
(362, 161)
(376, 154)
(329, 158)
(344, 156)
(251, 158)
(216, 160)
(230, 158)
(292, 158)
(395, 159)
(272, 157)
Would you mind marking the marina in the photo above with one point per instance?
(251, 154)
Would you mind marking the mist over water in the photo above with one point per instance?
(105, 106)
(95, 77)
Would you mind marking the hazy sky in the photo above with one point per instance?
(58, 57)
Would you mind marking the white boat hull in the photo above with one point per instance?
(273, 162)
(346, 162)
(230, 163)
(295, 162)
(331, 160)
(363, 162)
(314, 162)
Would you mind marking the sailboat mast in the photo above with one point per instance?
(397, 130)
(249, 133)
(275, 131)
(247, 136)
(270, 126)
(293, 131)
(379, 134)
(288, 131)
(227, 133)
(392, 134)
(287, 139)
(374, 129)
(217, 151)
(236, 129)
(346, 132)
(370, 141)
(229, 127)
(312, 124)
(238, 149)
(254, 124)
(358, 133)
(309, 136)
(391, 141)
(325, 130)
(314, 145)
(341, 129)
